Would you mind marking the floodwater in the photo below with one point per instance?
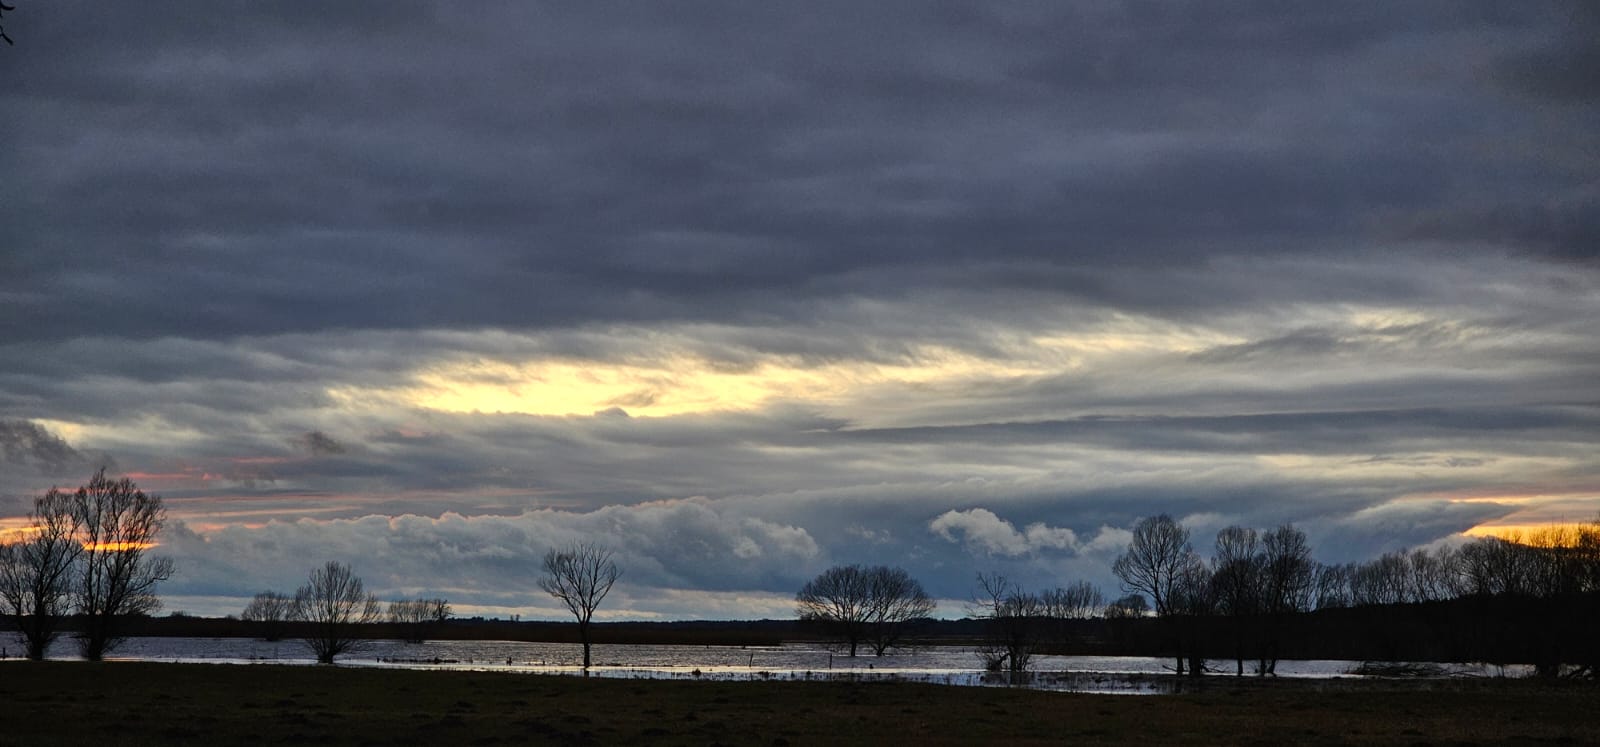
(795, 661)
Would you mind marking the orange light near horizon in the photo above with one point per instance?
(1533, 512)
(9, 535)
(1522, 532)
(1503, 531)
(117, 546)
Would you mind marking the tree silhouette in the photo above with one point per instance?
(37, 573)
(856, 604)
(268, 610)
(1236, 565)
(1288, 583)
(334, 605)
(1158, 564)
(418, 616)
(1063, 606)
(580, 576)
(117, 524)
(1012, 624)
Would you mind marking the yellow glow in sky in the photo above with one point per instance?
(665, 378)
(117, 546)
(679, 385)
(1535, 512)
(1135, 336)
(16, 533)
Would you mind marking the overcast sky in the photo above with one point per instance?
(745, 290)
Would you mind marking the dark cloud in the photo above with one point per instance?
(319, 444)
(273, 171)
(1308, 432)
(34, 458)
(959, 284)
(1561, 64)
(26, 443)
(1564, 227)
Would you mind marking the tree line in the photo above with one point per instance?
(85, 556)
(1258, 583)
(1255, 595)
(332, 610)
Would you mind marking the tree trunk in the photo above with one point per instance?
(1175, 634)
(583, 635)
(1238, 644)
(37, 633)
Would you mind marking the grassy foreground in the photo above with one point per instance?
(79, 703)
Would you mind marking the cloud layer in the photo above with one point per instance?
(747, 291)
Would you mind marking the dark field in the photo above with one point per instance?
(71, 703)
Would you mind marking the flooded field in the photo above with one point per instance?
(798, 661)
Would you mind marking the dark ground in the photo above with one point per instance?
(127, 703)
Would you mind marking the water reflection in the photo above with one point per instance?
(798, 661)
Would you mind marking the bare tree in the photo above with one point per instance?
(334, 606)
(1332, 586)
(1012, 627)
(1154, 559)
(896, 602)
(837, 600)
(1157, 562)
(856, 604)
(269, 610)
(580, 576)
(1236, 577)
(417, 616)
(1062, 607)
(1555, 560)
(1587, 550)
(1496, 565)
(1077, 601)
(117, 524)
(1288, 585)
(37, 573)
(1193, 599)
(1385, 580)
(1434, 574)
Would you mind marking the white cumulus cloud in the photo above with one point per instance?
(983, 531)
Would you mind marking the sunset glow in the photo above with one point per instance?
(16, 533)
(747, 293)
(118, 546)
(680, 386)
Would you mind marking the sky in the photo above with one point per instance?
(746, 290)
